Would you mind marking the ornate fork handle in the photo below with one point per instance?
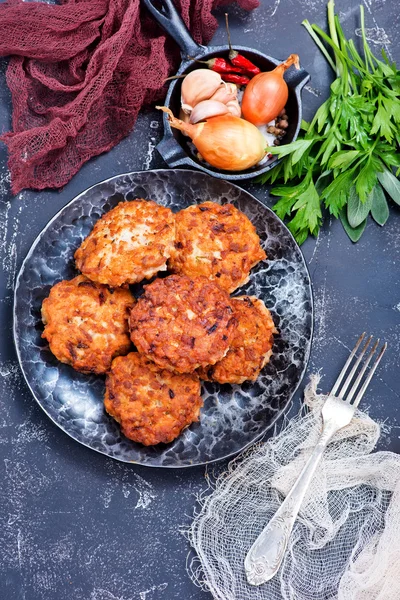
(265, 556)
(267, 552)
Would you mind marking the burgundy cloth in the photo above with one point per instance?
(79, 73)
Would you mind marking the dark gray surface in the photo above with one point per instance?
(75, 524)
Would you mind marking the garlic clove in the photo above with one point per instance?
(233, 107)
(206, 109)
(225, 93)
(198, 85)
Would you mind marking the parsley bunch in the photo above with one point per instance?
(344, 158)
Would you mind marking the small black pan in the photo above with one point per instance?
(174, 146)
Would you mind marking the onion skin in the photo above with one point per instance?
(184, 117)
(225, 142)
(230, 143)
(267, 94)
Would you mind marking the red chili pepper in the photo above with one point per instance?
(243, 63)
(234, 78)
(219, 65)
(237, 59)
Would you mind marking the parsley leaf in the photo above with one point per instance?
(366, 179)
(343, 159)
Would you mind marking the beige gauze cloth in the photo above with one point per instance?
(345, 544)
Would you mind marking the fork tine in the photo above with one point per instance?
(361, 373)
(346, 366)
(354, 369)
(370, 375)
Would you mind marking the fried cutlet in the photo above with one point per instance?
(86, 323)
(217, 241)
(181, 323)
(251, 346)
(151, 404)
(129, 243)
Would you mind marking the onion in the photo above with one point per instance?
(267, 93)
(184, 117)
(225, 142)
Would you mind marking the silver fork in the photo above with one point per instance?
(266, 554)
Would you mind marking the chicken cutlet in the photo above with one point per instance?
(129, 243)
(216, 241)
(251, 347)
(151, 404)
(181, 323)
(86, 323)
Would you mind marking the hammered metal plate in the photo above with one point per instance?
(232, 416)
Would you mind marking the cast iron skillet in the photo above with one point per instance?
(174, 146)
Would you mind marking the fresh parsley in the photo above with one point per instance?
(344, 159)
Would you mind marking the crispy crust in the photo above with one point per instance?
(251, 346)
(216, 241)
(86, 323)
(130, 243)
(182, 323)
(152, 405)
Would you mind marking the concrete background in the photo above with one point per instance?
(77, 525)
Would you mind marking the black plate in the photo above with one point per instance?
(233, 416)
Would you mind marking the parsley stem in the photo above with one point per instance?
(331, 133)
(334, 47)
(355, 55)
(318, 42)
(334, 36)
(367, 51)
(344, 46)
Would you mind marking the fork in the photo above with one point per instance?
(266, 554)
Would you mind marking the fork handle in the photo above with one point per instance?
(265, 556)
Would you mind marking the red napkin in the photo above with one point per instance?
(79, 73)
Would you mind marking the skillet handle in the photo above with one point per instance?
(172, 152)
(297, 78)
(170, 20)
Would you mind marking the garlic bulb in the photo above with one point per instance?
(225, 93)
(206, 109)
(198, 85)
(225, 142)
(233, 107)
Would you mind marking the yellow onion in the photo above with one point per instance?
(225, 142)
(198, 85)
(184, 117)
(267, 93)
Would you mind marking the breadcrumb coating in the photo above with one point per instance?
(151, 404)
(216, 241)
